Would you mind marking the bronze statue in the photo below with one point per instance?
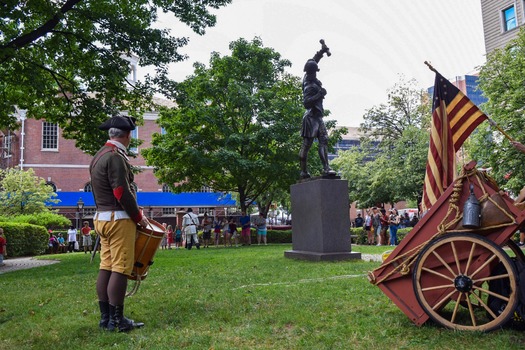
(313, 125)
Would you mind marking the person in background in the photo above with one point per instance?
(71, 238)
(217, 231)
(368, 228)
(260, 223)
(245, 229)
(164, 240)
(376, 224)
(190, 221)
(3, 244)
(61, 244)
(233, 231)
(169, 233)
(384, 227)
(226, 232)
(178, 237)
(206, 228)
(359, 221)
(86, 237)
(393, 222)
(53, 243)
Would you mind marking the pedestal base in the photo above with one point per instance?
(313, 256)
(321, 224)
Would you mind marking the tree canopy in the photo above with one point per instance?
(235, 127)
(67, 61)
(22, 192)
(502, 80)
(389, 166)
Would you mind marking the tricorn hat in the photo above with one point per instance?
(120, 122)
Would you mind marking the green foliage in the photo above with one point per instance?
(21, 192)
(235, 127)
(47, 219)
(25, 239)
(67, 60)
(502, 80)
(389, 166)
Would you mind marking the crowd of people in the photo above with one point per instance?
(381, 228)
(227, 231)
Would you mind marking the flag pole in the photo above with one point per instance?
(491, 122)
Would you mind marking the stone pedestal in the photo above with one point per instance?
(321, 224)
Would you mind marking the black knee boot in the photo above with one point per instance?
(104, 314)
(118, 322)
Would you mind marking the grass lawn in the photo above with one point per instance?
(223, 298)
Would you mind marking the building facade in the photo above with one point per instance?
(501, 21)
(39, 145)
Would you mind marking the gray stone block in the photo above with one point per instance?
(321, 224)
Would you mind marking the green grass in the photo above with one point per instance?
(225, 298)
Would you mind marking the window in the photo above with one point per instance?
(509, 18)
(209, 211)
(6, 145)
(134, 136)
(166, 188)
(206, 189)
(169, 211)
(89, 212)
(49, 136)
(88, 188)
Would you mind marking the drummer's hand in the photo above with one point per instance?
(144, 222)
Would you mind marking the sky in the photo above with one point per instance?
(374, 43)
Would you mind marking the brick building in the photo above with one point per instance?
(39, 145)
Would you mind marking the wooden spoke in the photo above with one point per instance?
(444, 263)
(437, 287)
(438, 274)
(482, 267)
(482, 303)
(470, 256)
(456, 259)
(454, 313)
(443, 300)
(471, 311)
(499, 296)
(491, 278)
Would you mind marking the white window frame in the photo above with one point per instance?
(45, 130)
(7, 144)
(505, 20)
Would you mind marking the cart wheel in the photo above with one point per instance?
(518, 252)
(451, 281)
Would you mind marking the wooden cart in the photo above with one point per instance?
(444, 271)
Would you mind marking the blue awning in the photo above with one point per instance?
(154, 199)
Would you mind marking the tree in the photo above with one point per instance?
(22, 192)
(502, 80)
(67, 61)
(235, 127)
(405, 107)
(389, 166)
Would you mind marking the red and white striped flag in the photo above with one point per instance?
(454, 117)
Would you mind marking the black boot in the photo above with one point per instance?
(104, 314)
(118, 322)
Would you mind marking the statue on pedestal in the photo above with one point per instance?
(313, 125)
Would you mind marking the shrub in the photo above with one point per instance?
(25, 239)
(47, 219)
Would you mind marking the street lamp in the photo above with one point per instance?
(80, 208)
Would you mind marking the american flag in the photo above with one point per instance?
(454, 117)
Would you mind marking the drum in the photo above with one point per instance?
(146, 245)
